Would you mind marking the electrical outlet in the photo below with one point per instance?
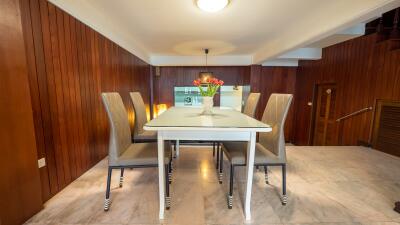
(42, 162)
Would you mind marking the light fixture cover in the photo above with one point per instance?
(212, 5)
(205, 77)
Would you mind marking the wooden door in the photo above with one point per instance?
(324, 121)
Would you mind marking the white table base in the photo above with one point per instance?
(208, 135)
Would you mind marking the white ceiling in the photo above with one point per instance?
(257, 30)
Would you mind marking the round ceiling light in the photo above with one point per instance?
(212, 5)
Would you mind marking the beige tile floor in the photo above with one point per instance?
(326, 185)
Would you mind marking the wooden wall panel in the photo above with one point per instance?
(70, 64)
(363, 70)
(171, 76)
(19, 175)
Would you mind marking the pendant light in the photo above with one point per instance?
(205, 76)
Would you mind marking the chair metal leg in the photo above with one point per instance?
(170, 161)
(167, 197)
(217, 164)
(221, 165)
(170, 172)
(284, 196)
(121, 178)
(107, 200)
(266, 174)
(213, 149)
(230, 195)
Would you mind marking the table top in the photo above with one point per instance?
(183, 118)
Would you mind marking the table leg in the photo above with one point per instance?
(161, 177)
(249, 175)
(177, 148)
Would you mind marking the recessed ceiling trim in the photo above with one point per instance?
(303, 53)
(282, 62)
(226, 60)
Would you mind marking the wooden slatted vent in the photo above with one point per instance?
(386, 132)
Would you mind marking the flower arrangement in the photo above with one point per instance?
(212, 86)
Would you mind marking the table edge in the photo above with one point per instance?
(232, 129)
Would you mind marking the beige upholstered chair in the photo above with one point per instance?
(250, 110)
(139, 134)
(122, 153)
(270, 149)
(251, 104)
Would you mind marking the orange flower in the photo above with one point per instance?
(196, 82)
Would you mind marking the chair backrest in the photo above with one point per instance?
(140, 112)
(275, 115)
(120, 132)
(251, 104)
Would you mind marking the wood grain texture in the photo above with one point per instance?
(70, 64)
(172, 76)
(363, 71)
(19, 175)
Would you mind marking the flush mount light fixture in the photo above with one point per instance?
(212, 5)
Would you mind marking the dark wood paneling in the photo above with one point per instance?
(19, 174)
(70, 64)
(171, 76)
(363, 70)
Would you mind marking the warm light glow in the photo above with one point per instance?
(205, 76)
(148, 112)
(204, 168)
(212, 5)
(159, 109)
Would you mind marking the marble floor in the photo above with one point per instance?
(326, 185)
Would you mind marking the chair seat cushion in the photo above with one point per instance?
(147, 135)
(237, 154)
(142, 154)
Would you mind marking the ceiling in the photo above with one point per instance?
(258, 30)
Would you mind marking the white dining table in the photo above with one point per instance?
(184, 123)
